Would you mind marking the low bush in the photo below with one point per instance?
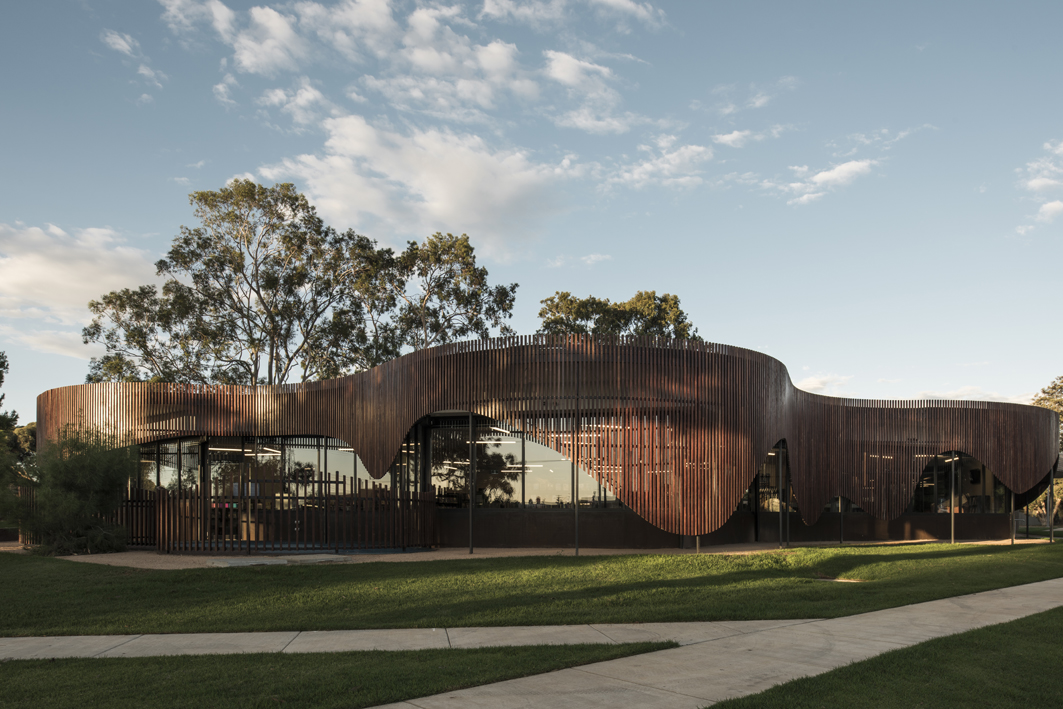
(65, 495)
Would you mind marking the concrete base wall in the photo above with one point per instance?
(620, 528)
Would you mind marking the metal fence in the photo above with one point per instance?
(335, 513)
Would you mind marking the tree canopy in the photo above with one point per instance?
(445, 296)
(646, 314)
(1051, 397)
(264, 292)
(8, 419)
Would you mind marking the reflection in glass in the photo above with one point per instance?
(977, 490)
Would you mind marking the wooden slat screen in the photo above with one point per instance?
(676, 429)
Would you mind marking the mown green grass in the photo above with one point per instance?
(1009, 666)
(348, 679)
(46, 596)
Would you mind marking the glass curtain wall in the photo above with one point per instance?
(547, 476)
(977, 490)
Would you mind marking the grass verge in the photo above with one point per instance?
(49, 596)
(1006, 666)
(347, 679)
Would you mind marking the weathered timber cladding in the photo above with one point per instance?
(676, 429)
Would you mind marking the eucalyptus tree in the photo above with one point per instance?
(645, 314)
(262, 291)
(444, 295)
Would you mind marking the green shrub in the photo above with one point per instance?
(78, 482)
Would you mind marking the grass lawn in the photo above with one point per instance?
(1009, 666)
(347, 679)
(46, 596)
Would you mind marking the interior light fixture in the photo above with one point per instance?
(345, 449)
(495, 443)
(230, 450)
(271, 450)
(500, 430)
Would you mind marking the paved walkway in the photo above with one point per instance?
(701, 674)
(715, 661)
(349, 640)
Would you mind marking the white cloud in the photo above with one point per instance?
(826, 384)
(806, 198)
(61, 342)
(223, 90)
(974, 393)
(425, 181)
(43, 272)
(734, 139)
(732, 100)
(843, 174)
(1049, 211)
(541, 13)
(669, 165)
(303, 102)
(197, 164)
(269, 44)
(1040, 176)
(182, 16)
(120, 43)
(588, 84)
(881, 140)
(152, 76)
(1040, 184)
(183, 181)
(589, 260)
(642, 11)
(128, 46)
(533, 12)
(353, 27)
(810, 188)
(145, 99)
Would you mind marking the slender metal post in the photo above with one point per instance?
(778, 485)
(1026, 514)
(1051, 505)
(575, 478)
(841, 521)
(1011, 496)
(472, 476)
(523, 465)
(952, 501)
(786, 468)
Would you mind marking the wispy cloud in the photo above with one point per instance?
(128, 46)
(974, 393)
(826, 384)
(811, 186)
(119, 42)
(589, 260)
(420, 181)
(669, 164)
(43, 285)
(1042, 178)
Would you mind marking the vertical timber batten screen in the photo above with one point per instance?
(675, 428)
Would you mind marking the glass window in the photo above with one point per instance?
(977, 490)
(148, 471)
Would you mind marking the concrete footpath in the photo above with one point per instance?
(716, 660)
(704, 673)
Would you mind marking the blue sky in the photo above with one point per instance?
(871, 193)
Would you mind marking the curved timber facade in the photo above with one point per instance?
(675, 429)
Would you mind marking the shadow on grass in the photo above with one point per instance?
(61, 598)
